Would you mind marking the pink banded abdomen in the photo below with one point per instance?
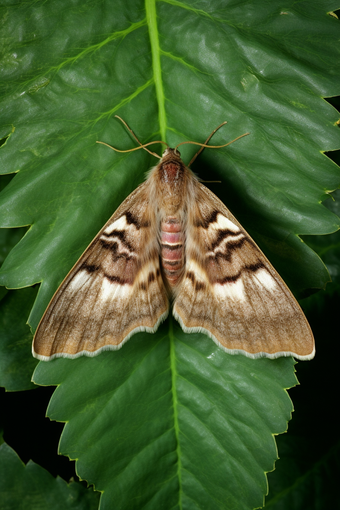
(172, 249)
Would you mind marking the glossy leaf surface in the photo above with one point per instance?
(171, 421)
(169, 418)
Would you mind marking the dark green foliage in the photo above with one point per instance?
(171, 421)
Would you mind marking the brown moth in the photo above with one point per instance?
(173, 240)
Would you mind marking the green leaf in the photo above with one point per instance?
(328, 247)
(172, 70)
(176, 424)
(16, 362)
(31, 487)
(9, 237)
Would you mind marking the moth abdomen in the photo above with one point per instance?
(172, 249)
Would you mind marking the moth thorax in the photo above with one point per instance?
(172, 172)
(171, 186)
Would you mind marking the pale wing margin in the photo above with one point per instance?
(231, 292)
(114, 290)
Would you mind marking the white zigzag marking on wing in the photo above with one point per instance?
(224, 244)
(198, 272)
(110, 289)
(230, 290)
(263, 279)
(119, 224)
(223, 223)
(80, 279)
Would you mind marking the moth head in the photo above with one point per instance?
(171, 152)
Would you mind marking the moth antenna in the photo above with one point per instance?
(210, 182)
(207, 140)
(142, 146)
(203, 145)
(135, 137)
(128, 128)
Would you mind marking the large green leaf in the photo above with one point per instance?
(31, 487)
(173, 70)
(174, 73)
(170, 421)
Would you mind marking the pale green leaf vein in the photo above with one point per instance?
(151, 16)
(108, 114)
(120, 34)
(184, 63)
(175, 404)
(199, 12)
(245, 469)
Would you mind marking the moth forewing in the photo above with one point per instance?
(232, 293)
(172, 238)
(113, 291)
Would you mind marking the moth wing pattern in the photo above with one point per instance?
(231, 292)
(113, 291)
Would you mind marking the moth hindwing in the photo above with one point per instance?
(173, 239)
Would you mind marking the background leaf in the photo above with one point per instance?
(9, 237)
(16, 340)
(31, 487)
(173, 70)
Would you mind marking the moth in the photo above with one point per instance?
(173, 241)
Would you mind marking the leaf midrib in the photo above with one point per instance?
(175, 406)
(151, 16)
